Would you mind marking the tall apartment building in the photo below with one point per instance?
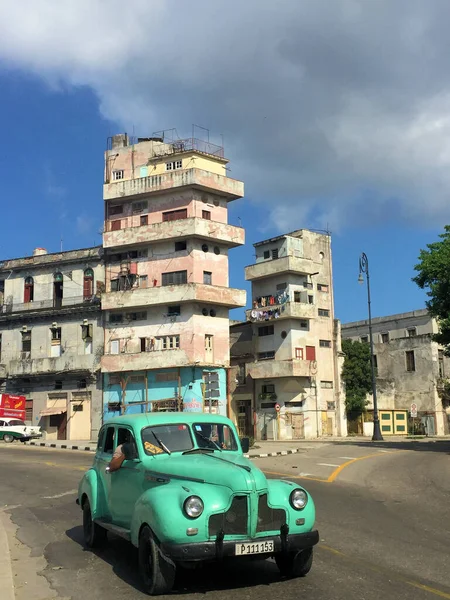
(411, 369)
(166, 240)
(292, 354)
(51, 339)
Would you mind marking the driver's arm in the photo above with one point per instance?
(117, 459)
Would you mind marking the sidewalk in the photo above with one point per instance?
(6, 576)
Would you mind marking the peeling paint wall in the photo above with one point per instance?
(397, 386)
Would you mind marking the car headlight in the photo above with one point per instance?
(298, 499)
(193, 507)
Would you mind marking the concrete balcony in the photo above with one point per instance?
(272, 369)
(289, 310)
(286, 264)
(231, 188)
(143, 361)
(172, 230)
(52, 304)
(52, 366)
(174, 294)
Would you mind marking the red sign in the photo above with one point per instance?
(277, 407)
(12, 406)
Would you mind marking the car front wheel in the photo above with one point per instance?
(8, 438)
(295, 564)
(157, 571)
(94, 535)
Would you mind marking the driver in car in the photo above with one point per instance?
(119, 456)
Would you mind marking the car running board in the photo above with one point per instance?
(120, 531)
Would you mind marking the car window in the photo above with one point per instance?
(17, 423)
(176, 438)
(208, 434)
(101, 437)
(109, 441)
(2, 423)
(124, 436)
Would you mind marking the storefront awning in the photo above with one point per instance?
(47, 412)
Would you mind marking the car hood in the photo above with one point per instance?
(226, 469)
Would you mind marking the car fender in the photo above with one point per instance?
(161, 508)
(89, 487)
(279, 491)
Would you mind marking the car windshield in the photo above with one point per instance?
(211, 435)
(175, 437)
(16, 423)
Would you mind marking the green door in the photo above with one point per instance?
(126, 484)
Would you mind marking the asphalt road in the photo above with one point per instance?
(383, 515)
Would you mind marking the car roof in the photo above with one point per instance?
(166, 418)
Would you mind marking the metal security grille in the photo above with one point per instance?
(232, 522)
(269, 519)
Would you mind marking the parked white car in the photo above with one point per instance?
(14, 429)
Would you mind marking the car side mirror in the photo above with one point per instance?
(245, 444)
(130, 452)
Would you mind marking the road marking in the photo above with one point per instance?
(347, 457)
(70, 492)
(327, 465)
(335, 473)
(385, 571)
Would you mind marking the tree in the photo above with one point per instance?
(434, 276)
(357, 375)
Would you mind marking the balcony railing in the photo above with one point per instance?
(50, 304)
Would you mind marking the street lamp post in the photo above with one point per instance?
(364, 270)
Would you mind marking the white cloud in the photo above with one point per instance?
(332, 111)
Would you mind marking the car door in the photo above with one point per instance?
(127, 484)
(105, 449)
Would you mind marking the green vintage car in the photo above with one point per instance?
(185, 495)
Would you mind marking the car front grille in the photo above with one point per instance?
(233, 521)
(269, 519)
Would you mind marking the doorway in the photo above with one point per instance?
(60, 422)
(57, 290)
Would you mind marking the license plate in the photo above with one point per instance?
(256, 548)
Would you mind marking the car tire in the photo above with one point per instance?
(295, 564)
(94, 535)
(8, 438)
(157, 571)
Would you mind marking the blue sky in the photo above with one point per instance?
(334, 114)
(52, 170)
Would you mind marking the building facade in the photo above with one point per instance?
(288, 352)
(52, 339)
(411, 369)
(166, 241)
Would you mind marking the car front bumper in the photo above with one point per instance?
(221, 548)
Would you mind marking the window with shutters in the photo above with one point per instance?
(26, 344)
(275, 253)
(168, 342)
(117, 175)
(206, 214)
(323, 287)
(174, 278)
(143, 220)
(175, 215)
(88, 283)
(55, 333)
(28, 295)
(173, 165)
(116, 225)
(410, 361)
(266, 330)
(207, 277)
(325, 343)
(324, 312)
